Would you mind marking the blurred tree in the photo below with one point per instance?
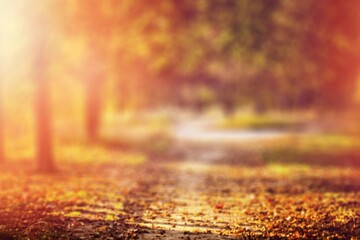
(42, 48)
(2, 147)
(43, 115)
(303, 54)
(93, 23)
(2, 154)
(94, 84)
(335, 47)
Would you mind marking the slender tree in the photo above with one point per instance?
(2, 155)
(44, 146)
(1, 106)
(43, 116)
(93, 27)
(94, 87)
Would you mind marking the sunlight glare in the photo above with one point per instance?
(14, 34)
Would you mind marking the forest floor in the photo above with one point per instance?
(192, 190)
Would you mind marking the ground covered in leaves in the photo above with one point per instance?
(190, 191)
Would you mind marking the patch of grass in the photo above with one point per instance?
(272, 121)
(88, 154)
(316, 149)
(285, 170)
(328, 143)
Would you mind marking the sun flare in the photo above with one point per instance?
(14, 32)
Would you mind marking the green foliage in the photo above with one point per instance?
(315, 148)
(275, 54)
(251, 121)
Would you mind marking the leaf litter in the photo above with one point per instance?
(169, 197)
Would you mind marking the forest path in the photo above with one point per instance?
(216, 185)
(203, 131)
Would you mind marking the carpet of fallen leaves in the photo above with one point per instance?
(202, 192)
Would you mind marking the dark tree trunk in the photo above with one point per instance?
(2, 154)
(93, 106)
(94, 86)
(45, 161)
(2, 151)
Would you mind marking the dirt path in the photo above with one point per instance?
(213, 191)
(201, 131)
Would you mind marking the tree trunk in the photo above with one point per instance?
(93, 106)
(2, 45)
(2, 154)
(45, 159)
(94, 84)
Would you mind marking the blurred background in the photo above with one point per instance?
(131, 72)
